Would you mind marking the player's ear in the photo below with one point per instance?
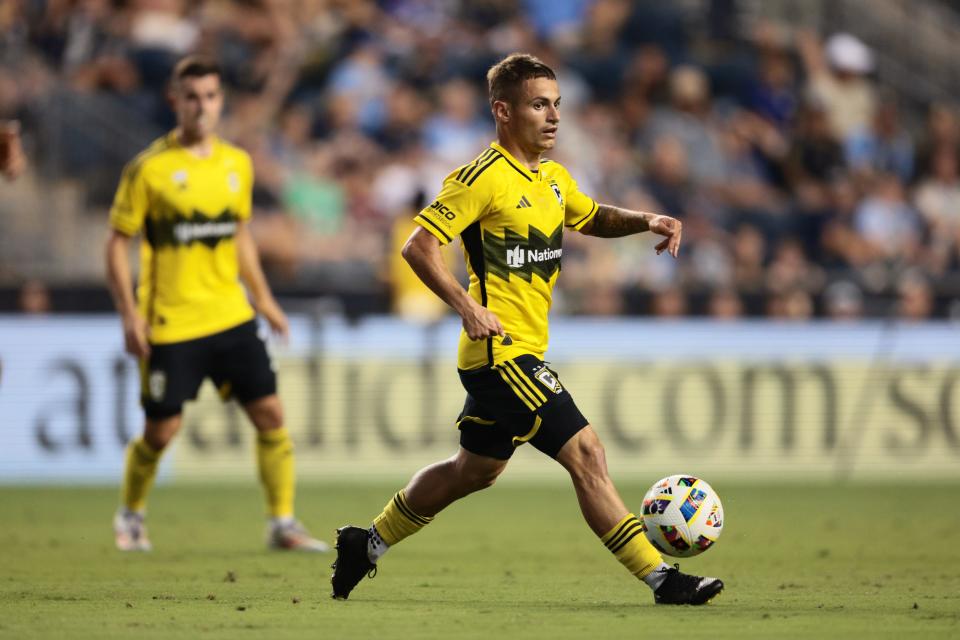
(501, 111)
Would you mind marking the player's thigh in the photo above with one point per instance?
(241, 367)
(170, 376)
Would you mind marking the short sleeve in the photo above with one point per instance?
(131, 201)
(454, 209)
(580, 207)
(245, 196)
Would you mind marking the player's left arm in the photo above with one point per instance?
(252, 275)
(614, 222)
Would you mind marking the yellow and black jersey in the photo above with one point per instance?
(511, 221)
(188, 209)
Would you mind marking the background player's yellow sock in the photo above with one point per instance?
(138, 474)
(275, 462)
(397, 522)
(629, 544)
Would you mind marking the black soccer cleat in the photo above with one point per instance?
(352, 561)
(680, 588)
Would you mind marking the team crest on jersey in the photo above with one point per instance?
(180, 178)
(556, 191)
(549, 381)
(157, 385)
(233, 181)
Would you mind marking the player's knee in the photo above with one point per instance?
(266, 414)
(589, 459)
(478, 478)
(158, 439)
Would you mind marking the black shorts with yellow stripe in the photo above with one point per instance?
(514, 402)
(236, 360)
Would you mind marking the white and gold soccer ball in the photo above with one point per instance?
(682, 516)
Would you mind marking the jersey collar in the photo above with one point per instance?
(516, 164)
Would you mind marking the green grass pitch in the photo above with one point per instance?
(513, 562)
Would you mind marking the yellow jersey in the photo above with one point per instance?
(188, 209)
(510, 221)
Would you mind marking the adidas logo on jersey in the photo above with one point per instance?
(524, 203)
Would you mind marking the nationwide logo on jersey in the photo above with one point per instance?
(512, 254)
(177, 230)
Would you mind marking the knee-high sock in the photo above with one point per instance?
(275, 462)
(138, 474)
(629, 544)
(398, 521)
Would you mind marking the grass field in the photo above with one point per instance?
(514, 562)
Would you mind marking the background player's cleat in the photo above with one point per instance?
(680, 588)
(130, 531)
(293, 536)
(352, 561)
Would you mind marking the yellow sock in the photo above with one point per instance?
(138, 474)
(398, 521)
(275, 462)
(629, 544)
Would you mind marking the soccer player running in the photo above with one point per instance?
(189, 194)
(509, 206)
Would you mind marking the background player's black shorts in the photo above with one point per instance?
(236, 360)
(517, 401)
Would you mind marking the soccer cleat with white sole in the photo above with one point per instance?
(130, 531)
(293, 536)
(680, 588)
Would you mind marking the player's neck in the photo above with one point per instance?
(529, 159)
(200, 145)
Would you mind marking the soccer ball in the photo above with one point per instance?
(682, 516)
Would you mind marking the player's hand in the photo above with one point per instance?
(12, 159)
(480, 323)
(672, 229)
(136, 334)
(276, 318)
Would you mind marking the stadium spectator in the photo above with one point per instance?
(837, 77)
(13, 161)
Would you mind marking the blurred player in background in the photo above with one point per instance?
(12, 159)
(189, 194)
(509, 206)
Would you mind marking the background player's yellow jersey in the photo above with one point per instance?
(511, 222)
(188, 209)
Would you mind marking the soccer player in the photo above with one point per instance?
(510, 207)
(189, 194)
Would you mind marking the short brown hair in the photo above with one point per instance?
(194, 66)
(505, 78)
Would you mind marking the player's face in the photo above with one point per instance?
(198, 102)
(535, 117)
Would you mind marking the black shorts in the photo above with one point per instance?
(517, 401)
(236, 360)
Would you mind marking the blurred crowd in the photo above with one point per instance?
(805, 188)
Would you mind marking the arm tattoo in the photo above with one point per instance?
(614, 222)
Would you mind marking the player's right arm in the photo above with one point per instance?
(458, 205)
(135, 326)
(422, 253)
(126, 218)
